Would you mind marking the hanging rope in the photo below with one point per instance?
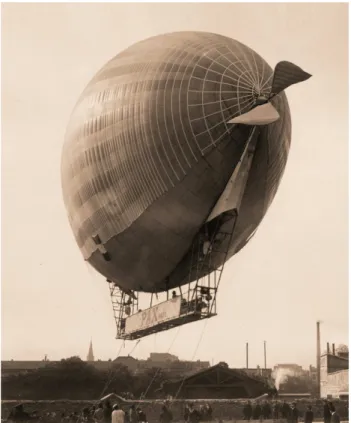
(193, 357)
(110, 374)
(113, 375)
(158, 370)
(110, 378)
(132, 350)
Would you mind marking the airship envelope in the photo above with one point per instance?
(175, 143)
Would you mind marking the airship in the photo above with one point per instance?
(171, 159)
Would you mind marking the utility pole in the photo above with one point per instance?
(247, 355)
(318, 360)
(265, 354)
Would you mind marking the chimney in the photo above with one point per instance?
(333, 348)
(328, 348)
(318, 359)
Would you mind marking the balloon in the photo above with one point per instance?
(150, 150)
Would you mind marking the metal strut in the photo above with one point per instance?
(224, 215)
(202, 297)
(123, 305)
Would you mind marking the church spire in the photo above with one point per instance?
(90, 356)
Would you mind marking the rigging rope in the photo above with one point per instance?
(113, 374)
(192, 358)
(110, 375)
(158, 370)
(110, 378)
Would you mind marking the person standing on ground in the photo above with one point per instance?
(286, 410)
(294, 415)
(99, 413)
(133, 415)
(141, 415)
(193, 415)
(309, 415)
(266, 411)
(186, 413)
(326, 412)
(166, 415)
(247, 411)
(107, 411)
(276, 409)
(335, 418)
(209, 412)
(257, 412)
(117, 415)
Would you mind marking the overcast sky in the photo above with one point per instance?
(293, 272)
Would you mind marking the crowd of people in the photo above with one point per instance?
(101, 413)
(290, 412)
(107, 413)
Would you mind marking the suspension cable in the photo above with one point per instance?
(159, 368)
(119, 351)
(192, 359)
(114, 375)
(110, 374)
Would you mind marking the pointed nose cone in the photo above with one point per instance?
(261, 115)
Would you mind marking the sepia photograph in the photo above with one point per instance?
(175, 212)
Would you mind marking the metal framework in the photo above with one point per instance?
(199, 300)
(197, 303)
(202, 297)
(123, 305)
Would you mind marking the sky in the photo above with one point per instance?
(293, 272)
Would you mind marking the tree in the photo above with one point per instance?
(119, 379)
(223, 364)
(73, 378)
(70, 378)
(298, 384)
(148, 382)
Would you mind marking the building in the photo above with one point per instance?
(258, 371)
(166, 362)
(335, 373)
(133, 364)
(216, 382)
(162, 357)
(288, 369)
(312, 374)
(90, 356)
